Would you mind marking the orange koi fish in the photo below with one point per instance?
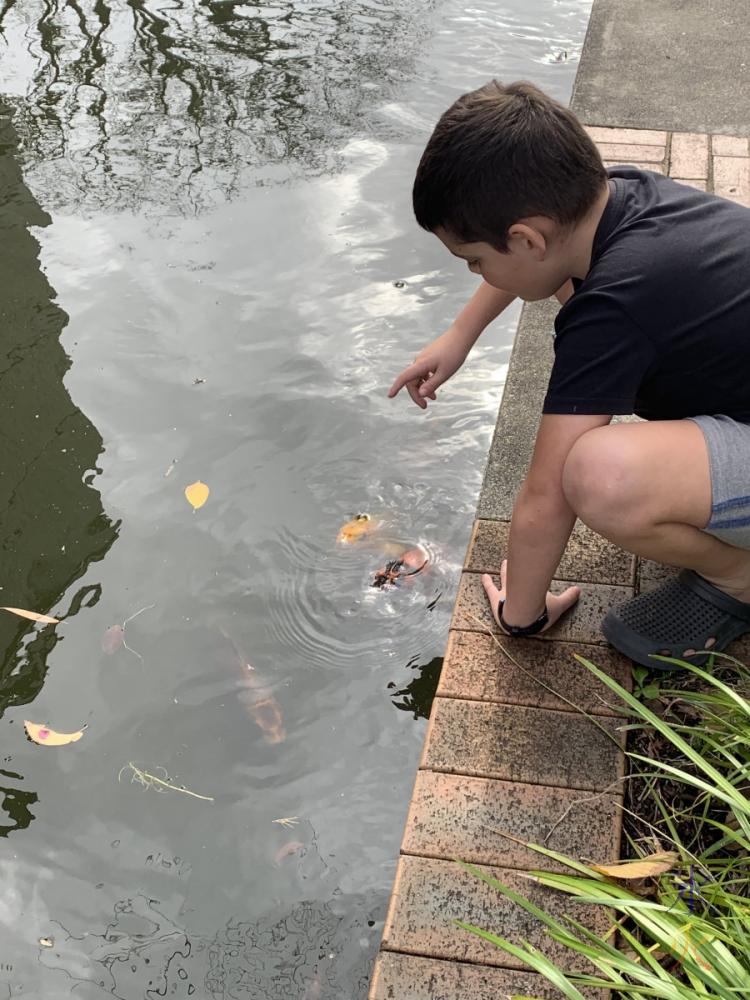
(358, 528)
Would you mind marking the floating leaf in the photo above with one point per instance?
(34, 616)
(197, 494)
(48, 737)
(652, 864)
(113, 638)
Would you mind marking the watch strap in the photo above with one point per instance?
(522, 631)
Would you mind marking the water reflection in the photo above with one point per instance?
(52, 526)
(314, 950)
(169, 102)
(417, 696)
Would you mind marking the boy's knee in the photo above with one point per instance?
(600, 480)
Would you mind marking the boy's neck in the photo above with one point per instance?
(581, 240)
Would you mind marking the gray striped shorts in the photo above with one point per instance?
(728, 444)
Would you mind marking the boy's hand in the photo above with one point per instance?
(432, 366)
(557, 604)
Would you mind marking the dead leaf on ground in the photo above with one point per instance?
(33, 616)
(48, 737)
(652, 864)
(196, 494)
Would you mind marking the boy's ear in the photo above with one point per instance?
(527, 237)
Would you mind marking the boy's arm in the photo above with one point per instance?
(486, 304)
(542, 518)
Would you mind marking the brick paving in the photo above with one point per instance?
(523, 745)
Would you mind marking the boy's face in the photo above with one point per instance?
(531, 269)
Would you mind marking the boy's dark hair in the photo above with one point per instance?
(504, 153)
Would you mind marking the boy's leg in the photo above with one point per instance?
(647, 488)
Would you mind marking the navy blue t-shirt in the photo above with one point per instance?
(660, 325)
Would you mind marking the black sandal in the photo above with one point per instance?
(687, 618)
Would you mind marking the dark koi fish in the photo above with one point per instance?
(258, 699)
(408, 563)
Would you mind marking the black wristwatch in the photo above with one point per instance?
(521, 631)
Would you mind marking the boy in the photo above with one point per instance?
(654, 281)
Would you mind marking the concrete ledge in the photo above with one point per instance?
(666, 64)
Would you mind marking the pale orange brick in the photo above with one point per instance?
(397, 976)
(453, 815)
(429, 895)
(689, 155)
(691, 182)
(656, 167)
(627, 152)
(637, 136)
(729, 145)
(732, 178)
(514, 743)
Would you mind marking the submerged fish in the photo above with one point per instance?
(359, 527)
(258, 699)
(293, 847)
(314, 989)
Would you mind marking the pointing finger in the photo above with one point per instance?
(414, 371)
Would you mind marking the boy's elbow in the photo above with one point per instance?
(543, 495)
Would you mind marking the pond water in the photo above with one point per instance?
(209, 271)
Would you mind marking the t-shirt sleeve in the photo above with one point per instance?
(601, 358)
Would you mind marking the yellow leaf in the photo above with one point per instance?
(33, 615)
(48, 737)
(197, 494)
(652, 864)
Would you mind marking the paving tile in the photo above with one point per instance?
(692, 182)
(454, 816)
(636, 136)
(657, 168)
(475, 667)
(729, 145)
(732, 178)
(688, 155)
(650, 575)
(515, 743)
(579, 625)
(410, 977)
(627, 152)
(588, 556)
(429, 895)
